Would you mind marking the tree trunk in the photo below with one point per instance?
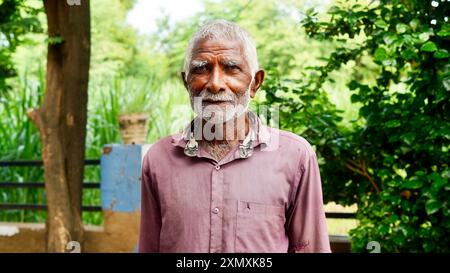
(62, 118)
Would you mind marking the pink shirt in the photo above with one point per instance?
(270, 201)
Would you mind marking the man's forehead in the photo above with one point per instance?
(223, 48)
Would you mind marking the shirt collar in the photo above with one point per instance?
(258, 134)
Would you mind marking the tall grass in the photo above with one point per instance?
(19, 139)
(171, 112)
(166, 102)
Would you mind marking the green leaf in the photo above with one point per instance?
(414, 23)
(389, 38)
(353, 85)
(401, 28)
(446, 174)
(420, 173)
(429, 47)
(444, 32)
(355, 98)
(380, 23)
(424, 36)
(383, 229)
(408, 138)
(413, 183)
(55, 40)
(389, 62)
(334, 10)
(432, 206)
(393, 123)
(437, 180)
(441, 54)
(409, 54)
(380, 54)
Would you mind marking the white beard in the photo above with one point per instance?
(237, 104)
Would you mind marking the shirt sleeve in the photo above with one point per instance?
(150, 225)
(306, 224)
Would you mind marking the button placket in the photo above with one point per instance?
(216, 209)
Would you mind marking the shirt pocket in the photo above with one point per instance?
(259, 227)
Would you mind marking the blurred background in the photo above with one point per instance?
(365, 82)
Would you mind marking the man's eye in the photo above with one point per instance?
(232, 67)
(199, 69)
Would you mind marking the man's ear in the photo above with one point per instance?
(257, 82)
(183, 77)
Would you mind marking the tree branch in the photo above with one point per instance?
(360, 168)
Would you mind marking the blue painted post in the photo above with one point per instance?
(120, 177)
(120, 189)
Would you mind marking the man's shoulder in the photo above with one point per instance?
(162, 146)
(291, 141)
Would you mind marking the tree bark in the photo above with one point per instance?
(62, 119)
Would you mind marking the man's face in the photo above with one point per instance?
(220, 78)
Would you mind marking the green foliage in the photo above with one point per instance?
(20, 140)
(135, 94)
(16, 19)
(117, 49)
(171, 110)
(55, 40)
(394, 164)
(305, 109)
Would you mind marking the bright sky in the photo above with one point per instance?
(144, 14)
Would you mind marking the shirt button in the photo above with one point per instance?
(216, 210)
(217, 167)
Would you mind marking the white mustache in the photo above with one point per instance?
(221, 96)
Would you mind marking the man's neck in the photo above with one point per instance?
(231, 132)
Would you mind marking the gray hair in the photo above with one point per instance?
(220, 30)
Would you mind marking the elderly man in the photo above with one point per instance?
(227, 183)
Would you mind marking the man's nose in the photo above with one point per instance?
(216, 83)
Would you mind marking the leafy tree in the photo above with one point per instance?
(394, 161)
(16, 19)
(115, 50)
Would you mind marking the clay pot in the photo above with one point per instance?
(133, 128)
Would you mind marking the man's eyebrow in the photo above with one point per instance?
(230, 62)
(198, 63)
